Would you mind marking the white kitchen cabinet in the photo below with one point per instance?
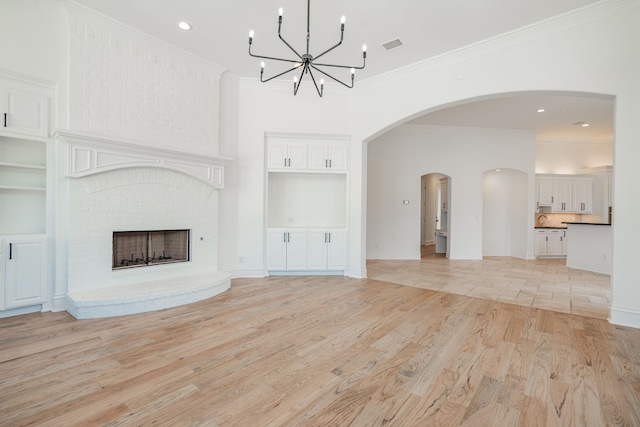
(550, 242)
(544, 192)
(24, 106)
(583, 196)
(444, 195)
(562, 195)
(286, 156)
(328, 157)
(25, 280)
(326, 250)
(286, 249)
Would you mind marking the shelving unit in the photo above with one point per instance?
(22, 186)
(307, 196)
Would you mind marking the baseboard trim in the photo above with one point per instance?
(625, 316)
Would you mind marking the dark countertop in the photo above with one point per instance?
(558, 227)
(586, 223)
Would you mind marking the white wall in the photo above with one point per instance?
(569, 157)
(506, 228)
(401, 156)
(496, 214)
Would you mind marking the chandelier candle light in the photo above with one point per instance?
(306, 61)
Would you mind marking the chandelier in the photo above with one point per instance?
(307, 62)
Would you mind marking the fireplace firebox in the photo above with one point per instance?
(145, 248)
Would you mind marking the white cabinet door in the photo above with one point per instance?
(318, 159)
(326, 250)
(337, 156)
(583, 196)
(544, 191)
(277, 155)
(297, 156)
(555, 242)
(330, 157)
(296, 250)
(282, 156)
(336, 250)
(562, 195)
(276, 249)
(317, 250)
(541, 243)
(23, 111)
(25, 263)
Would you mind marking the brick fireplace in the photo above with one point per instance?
(114, 187)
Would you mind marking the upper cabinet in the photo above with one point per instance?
(564, 194)
(328, 157)
(307, 155)
(25, 106)
(286, 156)
(544, 191)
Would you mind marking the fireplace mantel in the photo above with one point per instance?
(90, 154)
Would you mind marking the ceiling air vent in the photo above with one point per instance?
(393, 44)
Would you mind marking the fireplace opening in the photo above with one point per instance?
(145, 248)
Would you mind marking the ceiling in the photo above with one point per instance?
(426, 28)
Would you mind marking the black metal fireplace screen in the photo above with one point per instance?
(143, 248)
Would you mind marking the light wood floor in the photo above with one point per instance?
(546, 284)
(321, 351)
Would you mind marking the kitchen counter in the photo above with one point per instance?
(587, 223)
(589, 247)
(552, 227)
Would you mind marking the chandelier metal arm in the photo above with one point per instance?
(293, 61)
(333, 78)
(334, 46)
(286, 43)
(307, 70)
(364, 60)
(277, 75)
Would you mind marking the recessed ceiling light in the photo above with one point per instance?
(541, 110)
(584, 125)
(184, 25)
(497, 170)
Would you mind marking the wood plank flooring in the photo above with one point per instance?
(321, 351)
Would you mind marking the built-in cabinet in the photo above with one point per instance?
(550, 242)
(286, 249)
(291, 249)
(326, 250)
(564, 194)
(25, 122)
(24, 107)
(23, 262)
(306, 203)
(307, 156)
